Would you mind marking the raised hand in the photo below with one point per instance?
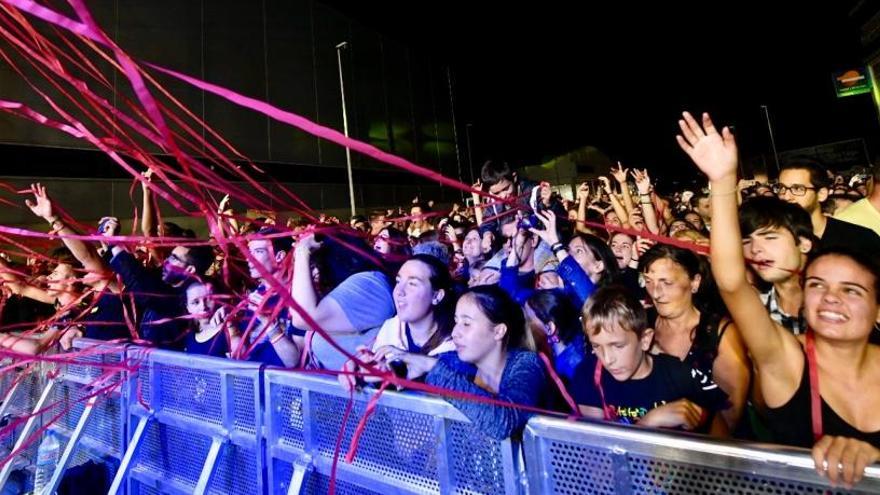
(307, 244)
(606, 184)
(42, 205)
(479, 187)
(108, 226)
(643, 181)
(148, 177)
(583, 192)
(545, 193)
(713, 152)
(549, 234)
(619, 174)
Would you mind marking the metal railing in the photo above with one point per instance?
(412, 443)
(569, 458)
(192, 424)
(195, 423)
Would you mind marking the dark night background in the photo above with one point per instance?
(531, 82)
(544, 78)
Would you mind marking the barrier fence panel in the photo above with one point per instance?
(91, 425)
(57, 396)
(7, 383)
(28, 394)
(569, 458)
(191, 424)
(412, 443)
(12, 400)
(195, 426)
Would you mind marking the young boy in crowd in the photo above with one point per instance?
(622, 381)
(777, 237)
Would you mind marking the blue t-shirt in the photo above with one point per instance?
(365, 299)
(263, 351)
(215, 346)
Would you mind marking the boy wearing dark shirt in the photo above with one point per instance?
(622, 382)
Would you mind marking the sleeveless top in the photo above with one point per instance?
(792, 423)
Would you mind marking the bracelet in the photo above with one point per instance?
(728, 193)
(55, 229)
(556, 248)
(643, 202)
(725, 193)
(274, 340)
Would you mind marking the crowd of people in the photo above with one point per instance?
(718, 311)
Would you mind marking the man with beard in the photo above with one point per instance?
(158, 298)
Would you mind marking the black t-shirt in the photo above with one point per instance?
(845, 234)
(669, 381)
(106, 319)
(629, 278)
(17, 310)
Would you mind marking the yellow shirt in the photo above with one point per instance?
(863, 213)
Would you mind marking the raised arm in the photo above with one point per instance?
(775, 351)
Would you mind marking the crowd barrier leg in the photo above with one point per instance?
(7, 398)
(210, 464)
(122, 473)
(71, 445)
(25, 433)
(297, 480)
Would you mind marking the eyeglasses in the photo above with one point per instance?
(796, 189)
(176, 260)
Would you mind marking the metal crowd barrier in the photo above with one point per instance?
(190, 424)
(195, 426)
(600, 459)
(411, 444)
(25, 394)
(89, 426)
(92, 425)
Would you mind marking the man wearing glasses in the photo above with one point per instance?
(805, 183)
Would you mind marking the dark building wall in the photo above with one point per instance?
(281, 51)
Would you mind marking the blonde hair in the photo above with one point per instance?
(611, 307)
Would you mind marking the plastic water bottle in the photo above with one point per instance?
(47, 458)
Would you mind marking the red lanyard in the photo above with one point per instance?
(607, 412)
(815, 399)
(558, 381)
(307, 348)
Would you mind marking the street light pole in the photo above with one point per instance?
(339, 48)
(772, 139)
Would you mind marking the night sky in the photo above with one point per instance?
(543, 79)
